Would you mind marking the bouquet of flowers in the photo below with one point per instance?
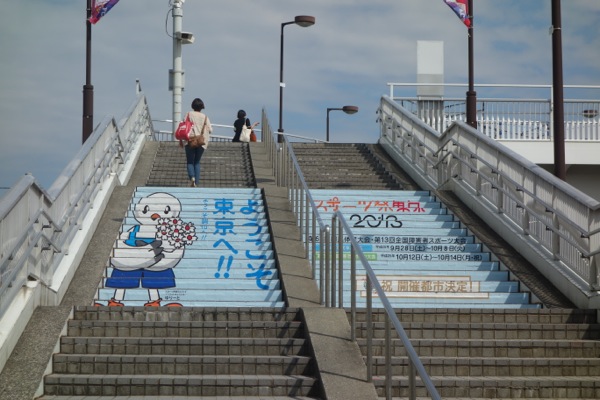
(176, 232)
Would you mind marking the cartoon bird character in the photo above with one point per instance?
(147, 253)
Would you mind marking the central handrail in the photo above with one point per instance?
(372, 283)
(289, 174)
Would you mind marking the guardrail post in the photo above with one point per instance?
(555, 237)
(353, 292)
(341, 264)
(322, 286)
(327, 267)
(593, 279)
(333, 262)
(388, 359)
(369, 322)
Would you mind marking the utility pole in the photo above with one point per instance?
(88, 90)
(176, 77)
(471, 94)
(557, 89)
(177, 71)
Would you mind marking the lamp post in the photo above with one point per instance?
(346, 109)
(303, 21)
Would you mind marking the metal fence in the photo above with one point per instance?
(506, 117)
(552, 223)
(221, 133)
(37, 227)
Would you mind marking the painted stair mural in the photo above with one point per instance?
(421, 254)
(192, 247)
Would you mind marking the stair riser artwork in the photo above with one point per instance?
(414, 247)
(484, 286)
(175, 240)
(421, 258)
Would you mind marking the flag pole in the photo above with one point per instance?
(557, 89)
(88, 89)
(471, 94)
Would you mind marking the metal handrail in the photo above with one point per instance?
(37, 226)
(508, 118)
(289, 174)
(545, 211)
(416, 366)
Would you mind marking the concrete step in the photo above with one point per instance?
(491, 348)
(496, 367)
(183, 346)
(489, 331)
(180, 385)
(549, 387)
(80, 364)
(164, 314)
(189, 329)
(479, 316)
(188, 352)
(52, 397)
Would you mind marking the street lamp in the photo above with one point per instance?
(303, 21)
(346, 109)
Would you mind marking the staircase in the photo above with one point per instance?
(507, 345)
(343, 166)
(212, 353)
(219, 347)
(493, 354)
(223, 164)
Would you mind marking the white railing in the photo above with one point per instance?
(508, 118)
(551, 223)
(221, 133)
(38, 226)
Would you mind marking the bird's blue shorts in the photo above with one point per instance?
(149, 279)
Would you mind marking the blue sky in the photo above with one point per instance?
(349, 55)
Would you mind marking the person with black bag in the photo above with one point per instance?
(198, 141)
(238, 126)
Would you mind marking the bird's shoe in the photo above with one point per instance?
(111, 303)
(154, 303)
(174, 305)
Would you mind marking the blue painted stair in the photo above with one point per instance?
(422, 255)
(193, 247)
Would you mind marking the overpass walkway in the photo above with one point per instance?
(340, 367)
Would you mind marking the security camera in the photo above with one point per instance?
(186, 37)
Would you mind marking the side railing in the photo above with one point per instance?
(506, 117)
(329, 238)
(38, 226)
(556, 225)
(221, 133)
